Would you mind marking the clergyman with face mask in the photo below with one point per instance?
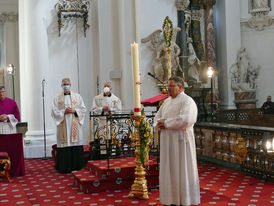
(68, 112)
(106, 102)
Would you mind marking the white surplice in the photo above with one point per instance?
(9, 127)
(179, 180)
(100, 101)
(59, 114)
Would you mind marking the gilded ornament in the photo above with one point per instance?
(139, 187)
(240, 149)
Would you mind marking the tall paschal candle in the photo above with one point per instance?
(136, 79)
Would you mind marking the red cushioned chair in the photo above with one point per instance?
(5, 165)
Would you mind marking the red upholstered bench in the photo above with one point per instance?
(5, 165)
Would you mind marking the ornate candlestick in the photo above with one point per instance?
(139, 187)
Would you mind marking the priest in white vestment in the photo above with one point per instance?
(104, 104)
(9, 113)
(179, 180)
(68, 113)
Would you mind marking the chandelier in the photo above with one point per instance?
(67, 9)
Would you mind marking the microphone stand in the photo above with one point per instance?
(44, 121)
(155, 78)
(162, 85)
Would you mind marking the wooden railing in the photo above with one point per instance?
(240, 147)
(237, 146)
(253, 117)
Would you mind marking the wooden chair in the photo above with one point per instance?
(5, 165)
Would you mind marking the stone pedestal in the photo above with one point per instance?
(245, 100)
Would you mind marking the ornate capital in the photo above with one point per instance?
(9, 17)
(196, 15)
(182, 5)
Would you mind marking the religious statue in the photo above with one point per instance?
(187, 23)
(194, 62)
(244, 74)
(160, 64)
(259, 4)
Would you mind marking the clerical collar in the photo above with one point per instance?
(107, 95)
(67, 94)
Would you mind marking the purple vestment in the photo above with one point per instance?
(9, 106)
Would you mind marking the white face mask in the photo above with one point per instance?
(106, 89)
(66, 88)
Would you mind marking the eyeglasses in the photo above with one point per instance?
(172, 85)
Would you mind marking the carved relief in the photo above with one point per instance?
(244, 74)
(240, 149)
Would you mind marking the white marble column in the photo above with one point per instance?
(34, 65)
(228, 33)
(122, 45)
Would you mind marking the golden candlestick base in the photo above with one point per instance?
(139, 187)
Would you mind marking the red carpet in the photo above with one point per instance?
(42, 185)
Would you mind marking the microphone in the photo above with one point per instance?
(43, 85)
(155, 77)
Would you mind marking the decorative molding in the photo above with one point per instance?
(9, 17)
(196, 15)
(67, 9)
(259, 10)
(260, 19)
(182, 5)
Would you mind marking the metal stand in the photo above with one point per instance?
(211, 105)
(13, 90)
(44, 121)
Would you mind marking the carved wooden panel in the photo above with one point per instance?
(2, 77)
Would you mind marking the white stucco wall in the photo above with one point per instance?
(70, 55)
(259, 46)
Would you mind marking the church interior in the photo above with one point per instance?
(222, 49)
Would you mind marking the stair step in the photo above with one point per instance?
(124, 167)
(95, 177)
(90, 183)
